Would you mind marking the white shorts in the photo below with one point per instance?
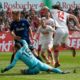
(60, 36)
(46, 45)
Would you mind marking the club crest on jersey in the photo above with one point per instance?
(23, 24)
(19, 29)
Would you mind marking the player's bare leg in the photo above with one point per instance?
(50, 56)
(12, 57)
(45, 57)
(36, 55)
(70, 48)
(56, 56)
(39, 49)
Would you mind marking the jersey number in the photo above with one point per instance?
(27, 52)
(61, 15)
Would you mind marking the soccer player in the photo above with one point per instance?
(62, 32)
(35, 66)
(51, 22)
(46, 38)
(20, 29)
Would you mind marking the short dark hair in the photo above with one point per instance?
(55, 7)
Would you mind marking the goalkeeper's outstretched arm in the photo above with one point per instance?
(10, 66)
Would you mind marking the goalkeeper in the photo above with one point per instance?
(24, 54)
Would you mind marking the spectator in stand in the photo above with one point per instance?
(34, 21)
(23, 13)
(1, 12)
(9, 14)
(27, 16)
(59, 5)
(70, 10)
(77, 12)
(78, 16)
(1, 24)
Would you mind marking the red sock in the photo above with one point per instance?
(56, 55)
(39, 49)
(56, 52)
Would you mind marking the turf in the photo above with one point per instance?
(68, 63)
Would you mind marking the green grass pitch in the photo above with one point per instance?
(68, 63)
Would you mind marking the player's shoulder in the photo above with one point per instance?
(54, 10)
(12, 24)
(48, 26)
(51, 19)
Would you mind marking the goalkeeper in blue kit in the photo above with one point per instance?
(24, 54)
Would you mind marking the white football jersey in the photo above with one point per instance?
(50, 22)
(46, 33)
(60, 17)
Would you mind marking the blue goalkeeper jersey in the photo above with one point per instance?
(25, 55)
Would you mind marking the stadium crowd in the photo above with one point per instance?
(5, 16)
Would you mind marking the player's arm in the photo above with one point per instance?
(13, 33)
(31, 33)
(14, 36)
(16, 58)
(36, 34)
(76, 20)
(30, 30)
(53, 24)
(51, 29)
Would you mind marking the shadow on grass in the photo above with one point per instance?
(19, 74)
(11, 74)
